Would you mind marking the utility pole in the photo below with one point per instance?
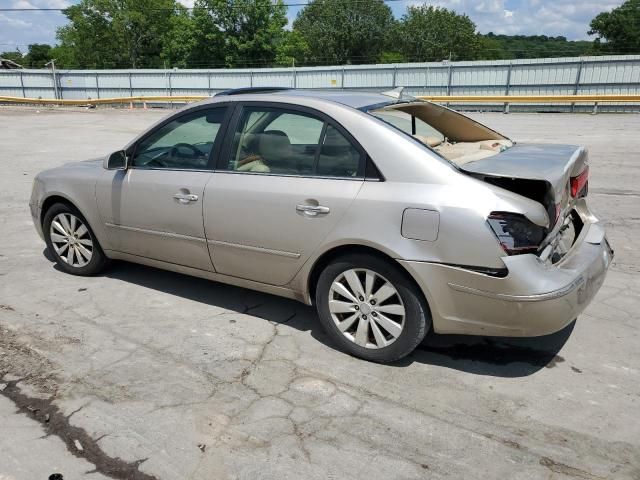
(52, 63)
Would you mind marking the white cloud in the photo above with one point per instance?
(567, 18)
(14, 22)
(19, 29)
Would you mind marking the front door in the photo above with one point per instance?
(285, 181)
(154, 208)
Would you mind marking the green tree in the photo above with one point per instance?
(14, 56)
(530, 46)
(619, 28)
(293, 49)
(179, 41)
(116, 33)
(491, 49)
(429, 33)
(242, 33)
(38, 55)
(340, 32)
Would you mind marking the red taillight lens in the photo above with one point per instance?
(580, 184)
(516, 233)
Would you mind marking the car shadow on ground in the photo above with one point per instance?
(490, 356)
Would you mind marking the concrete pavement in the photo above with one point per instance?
(164, 376)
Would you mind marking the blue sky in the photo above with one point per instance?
(531, 17)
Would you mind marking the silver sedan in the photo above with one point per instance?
(394, 216)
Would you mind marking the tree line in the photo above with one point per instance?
(254, 33)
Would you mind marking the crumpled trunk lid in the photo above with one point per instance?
(538, 171)
(541, 172)
(554, 164)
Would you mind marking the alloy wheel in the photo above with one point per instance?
(71, 240)
(366, 308)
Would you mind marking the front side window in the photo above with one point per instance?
(184, 143)
(282, 142)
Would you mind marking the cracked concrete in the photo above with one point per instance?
(202, 380)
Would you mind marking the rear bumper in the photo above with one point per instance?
(534, 299)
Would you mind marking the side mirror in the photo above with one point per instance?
(117, 160)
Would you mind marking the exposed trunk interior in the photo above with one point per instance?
(457, 138)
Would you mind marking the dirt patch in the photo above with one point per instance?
(18, 360)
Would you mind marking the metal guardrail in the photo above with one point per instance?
(532, 98)
(596, 100)
(507, 100)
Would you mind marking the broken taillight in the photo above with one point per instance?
(516, 233)
(580, 184)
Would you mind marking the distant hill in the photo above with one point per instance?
(495, 47)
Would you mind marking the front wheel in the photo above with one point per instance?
(71, 241)
(371, 308)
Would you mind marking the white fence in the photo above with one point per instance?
(558, 76)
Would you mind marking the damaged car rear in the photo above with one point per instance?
(554, 252)
(395, 217)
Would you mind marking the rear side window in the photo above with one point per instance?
(338, 157)
(284, 142)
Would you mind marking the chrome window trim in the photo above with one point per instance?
(289, 175)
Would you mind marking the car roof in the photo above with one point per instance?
(352, 99)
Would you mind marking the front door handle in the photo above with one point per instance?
(313, 210)
(186, 197)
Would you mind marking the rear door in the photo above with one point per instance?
(154, 208)
(284, 181)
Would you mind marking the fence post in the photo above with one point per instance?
(426, 80)
(209, 81)
(395, 75)
(449, 81)
(576, 87)
(97, 85)
(295, 75)
(508, 87)
(24, 95)
(170, 88)
(342, 79)
(54, 80)
(130, 86)
(251, 78)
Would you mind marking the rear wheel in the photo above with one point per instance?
(71, 241)
(371, 308)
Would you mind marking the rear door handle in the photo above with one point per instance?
(313, 210)
(186, 197)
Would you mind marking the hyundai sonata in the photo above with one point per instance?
(394, 216)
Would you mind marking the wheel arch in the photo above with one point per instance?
(57, 197)
(352, 248)
(51, 200)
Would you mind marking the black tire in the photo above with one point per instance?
(417, 320)
(98, 259)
